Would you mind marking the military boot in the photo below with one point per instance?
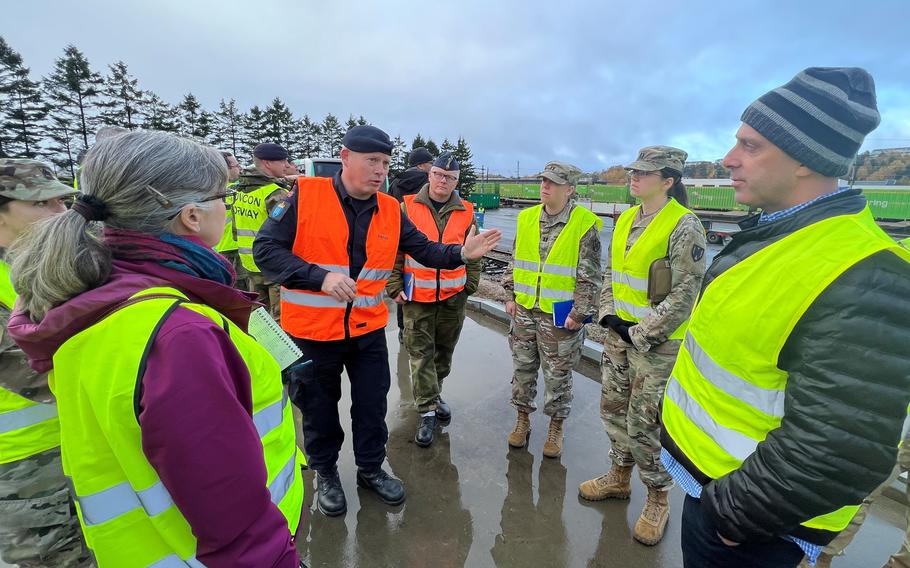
(552, 448)
(611, 485)
(653, 520)
(518, 438)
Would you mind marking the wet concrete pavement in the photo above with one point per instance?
(474, 502)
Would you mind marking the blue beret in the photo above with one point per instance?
(270, 151)
(419, 155)
(366, 139)
(447, 162)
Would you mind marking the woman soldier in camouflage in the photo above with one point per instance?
(657, 244)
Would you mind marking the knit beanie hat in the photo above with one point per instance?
(819, 118)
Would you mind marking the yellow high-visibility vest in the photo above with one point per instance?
(228, 240)
(726, 392)
(26, 427)
(556, 274)
(630, 271)
(249, 215)
(127, 514)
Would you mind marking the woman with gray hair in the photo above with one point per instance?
(174, 423)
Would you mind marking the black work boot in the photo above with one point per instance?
(425, 430)
(330, 496)
(443, 412)
(389, 489)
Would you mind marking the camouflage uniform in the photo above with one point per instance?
(268, 293)
(534, 339)
(431, 330)
(635, 376)
(38, 522)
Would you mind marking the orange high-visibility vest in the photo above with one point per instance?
(322, 239)
(430, 284)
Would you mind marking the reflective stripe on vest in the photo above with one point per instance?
(249, 214)
(228, 242)
(322, 239)
(128, 517)
(629, 273)
(26, 427)
(726, 391)
(430, 284)
(543, 283)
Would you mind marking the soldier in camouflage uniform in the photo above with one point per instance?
(259, 190)
(434, 318)
(638, 356)
(38, 522)
(534, 339)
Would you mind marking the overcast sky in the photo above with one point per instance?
(584, 82)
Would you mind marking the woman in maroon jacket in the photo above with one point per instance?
(159, 200)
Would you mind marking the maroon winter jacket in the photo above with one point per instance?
(196, 412)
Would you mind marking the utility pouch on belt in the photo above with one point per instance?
(660, 278)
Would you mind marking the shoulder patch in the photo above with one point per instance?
(697, 253)
(279, 211)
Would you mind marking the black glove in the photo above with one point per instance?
(623, 331)
(613, 321)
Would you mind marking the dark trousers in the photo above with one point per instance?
(366, 359)
(702, 548)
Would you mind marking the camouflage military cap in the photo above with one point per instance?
(30, 180)
(561, 173)
(655, 158)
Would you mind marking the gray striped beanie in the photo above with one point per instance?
(819, 118)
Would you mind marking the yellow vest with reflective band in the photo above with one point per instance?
(26, 427)
(228, 242)
(726, 392)
(249, 215)
(556, 275)
(630, 271)
(906, 243)
(128, 517)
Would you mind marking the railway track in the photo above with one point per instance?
(497, 261)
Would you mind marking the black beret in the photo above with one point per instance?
(270, 151)
(447, 162)
(419, 155)
(366, 139)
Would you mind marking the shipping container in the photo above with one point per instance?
(714, 199)
(892, 205)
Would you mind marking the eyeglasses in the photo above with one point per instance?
(447, 177)
(641, 173)
(225, 196)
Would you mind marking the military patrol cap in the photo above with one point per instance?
(270, 151)
(447, 162)
(654, 158)
(30, 180)
(419, 155)
(367, 139)
(561, 173)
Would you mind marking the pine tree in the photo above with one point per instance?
(253, 131)
(361, 121)
(331, 134)
(431, 146)
(468, 176)
(305, 138)
(193, 120)
(351, 123)
(228, 127)
(71, 90)
(447, 146)
(121, 98)
(418, 142)
(63, 143)
(22, 108)
(399, 157)
(278, 122)
(157, 114)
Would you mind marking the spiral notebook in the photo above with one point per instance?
(269, 334)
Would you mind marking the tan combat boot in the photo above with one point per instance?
(653, 520)
(552, 448)
(518, 438)
(611, 485)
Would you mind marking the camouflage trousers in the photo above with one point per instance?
(632, 385)
(431, 331)
(535, 340)
(233, 257)
(269, 294)
(38, 522)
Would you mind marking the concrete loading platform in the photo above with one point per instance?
(471, 501)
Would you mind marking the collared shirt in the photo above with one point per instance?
(693, 488)
(777, 215)
(273, 248)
